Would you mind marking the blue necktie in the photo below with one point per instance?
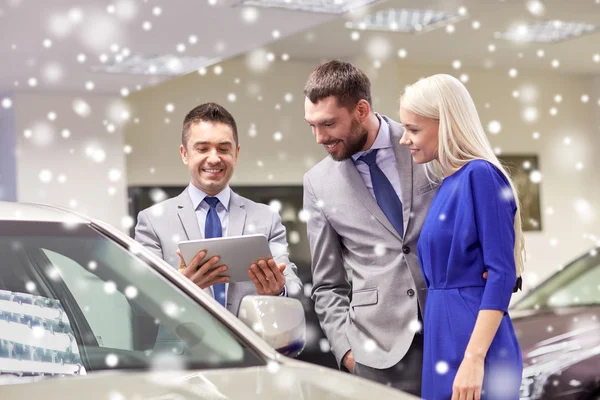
(386, 196)
(213, 229)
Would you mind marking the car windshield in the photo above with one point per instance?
(74, 301)
(578, 284)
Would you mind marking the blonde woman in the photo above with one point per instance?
(473, 226)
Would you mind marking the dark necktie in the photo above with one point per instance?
(386, 196)
(213, 229)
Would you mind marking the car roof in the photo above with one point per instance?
(15, 211)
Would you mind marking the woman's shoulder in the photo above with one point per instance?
(481, 169)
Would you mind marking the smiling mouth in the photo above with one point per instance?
(332, 145)
(212, 170)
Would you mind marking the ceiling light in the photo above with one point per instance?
(317, 6)
(166, 65)
(406, 20)
(547, 31)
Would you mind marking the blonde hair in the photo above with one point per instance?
(461, 137)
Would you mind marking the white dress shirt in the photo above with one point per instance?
(386, 159)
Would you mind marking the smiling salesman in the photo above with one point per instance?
(208, 208)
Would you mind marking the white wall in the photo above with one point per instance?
(73, 171)
(573, 194)
(155, 157)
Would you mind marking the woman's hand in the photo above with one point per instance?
(469, 379)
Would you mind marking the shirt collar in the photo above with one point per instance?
(382, 141)
(198, 196)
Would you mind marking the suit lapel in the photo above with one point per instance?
(237, 215)
(350, 174)
(405, 169)
(187, 216)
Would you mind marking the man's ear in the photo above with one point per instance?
(363, 109)
(183, 153)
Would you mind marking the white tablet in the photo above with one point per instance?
(237, 252)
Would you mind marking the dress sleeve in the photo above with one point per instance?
(494, 210)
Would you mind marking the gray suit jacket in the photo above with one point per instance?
(348, 232)
(161, 227)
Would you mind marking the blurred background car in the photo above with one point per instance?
(558, 325)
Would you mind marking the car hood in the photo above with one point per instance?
(275, 381)
(552, 340)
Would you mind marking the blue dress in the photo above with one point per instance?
(468, 230)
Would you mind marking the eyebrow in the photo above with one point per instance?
(321, 122)
(224, 143)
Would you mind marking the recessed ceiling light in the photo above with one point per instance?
(406, 20)
(547, 31)
(317, 6)
(166, 65)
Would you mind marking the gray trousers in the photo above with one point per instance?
(406, 375)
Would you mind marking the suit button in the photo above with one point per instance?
(405, 249)
(410, 292)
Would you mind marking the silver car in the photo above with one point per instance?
(86, 312)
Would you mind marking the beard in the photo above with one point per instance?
(355, 142)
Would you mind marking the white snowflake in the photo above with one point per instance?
(415, 326)
(294, 237)
(45, 176)
(250, 15)
(275, 205)
(307, 289)
(380, 250)
(111, 360)
(494, 127)
(441, 367)
(30, 286)
(304, 216)
(81, 108)
(110, 287)
(530, 114)
(127, 222)
(535, 7)
(378, 48)
(370, 345)
(535, 176)
(131, 292)
(171, 309)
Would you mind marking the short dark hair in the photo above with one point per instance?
(341, 79)
(208, 112)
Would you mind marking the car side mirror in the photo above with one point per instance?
(279, 321)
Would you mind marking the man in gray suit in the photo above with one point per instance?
(209, 208)
(367, 202)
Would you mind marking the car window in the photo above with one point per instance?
(113, 311)
(577, 284)
(116, 311)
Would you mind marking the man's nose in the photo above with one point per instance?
(320, 136)
(213, 158)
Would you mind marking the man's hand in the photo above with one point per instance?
(267, 277)
(348, 361)
(203, 276)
